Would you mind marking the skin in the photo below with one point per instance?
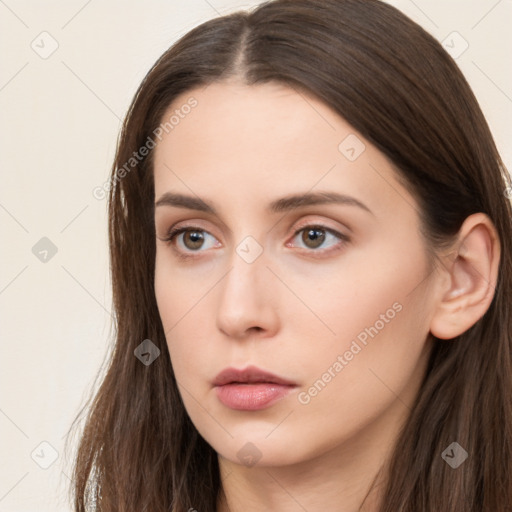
(298, 306)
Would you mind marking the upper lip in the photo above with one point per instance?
(251, 374)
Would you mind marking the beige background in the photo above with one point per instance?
(60, 116)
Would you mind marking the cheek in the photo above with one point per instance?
(179, 289)
(172, 297)
(380, 322)
(182, 296)
(341, 300)
(363, 375)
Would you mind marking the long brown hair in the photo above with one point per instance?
(395, 84)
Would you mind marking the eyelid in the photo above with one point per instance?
(321, 224)
(178, 227)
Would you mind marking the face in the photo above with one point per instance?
(299, 253)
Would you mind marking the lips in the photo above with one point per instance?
(249, 375)
(250, 389)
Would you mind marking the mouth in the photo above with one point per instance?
(250, 389)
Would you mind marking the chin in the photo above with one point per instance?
(255, 451)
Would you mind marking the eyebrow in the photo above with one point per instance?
(284, 204)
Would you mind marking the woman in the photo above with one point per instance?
(312, 276)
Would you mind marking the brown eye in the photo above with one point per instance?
(313, 237)
(193, 239)
(318, 239)
(190, 239)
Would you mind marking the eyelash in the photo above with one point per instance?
(175, 232)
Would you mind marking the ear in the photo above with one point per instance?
(470, 278)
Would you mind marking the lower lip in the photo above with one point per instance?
(251, 397)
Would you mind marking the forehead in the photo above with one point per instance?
(267, 119)
(243, 142)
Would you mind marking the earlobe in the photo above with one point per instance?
(470, 278)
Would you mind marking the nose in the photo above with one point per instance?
(248, 299)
